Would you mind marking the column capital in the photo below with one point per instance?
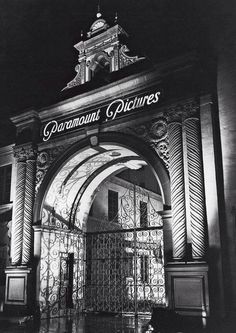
(25, 152)
(179, 112)
(206, 100)
(191, 109)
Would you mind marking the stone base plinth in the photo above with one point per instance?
(187, 287)
(19, 297)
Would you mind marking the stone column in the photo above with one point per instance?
(17, 223)
(29, 202)
(83, 70)
(177, 190)
(87, 71)
(196, 188)
(115, 65)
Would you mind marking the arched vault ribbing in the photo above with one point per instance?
(70, 183)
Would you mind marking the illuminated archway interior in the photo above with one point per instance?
(115, 244)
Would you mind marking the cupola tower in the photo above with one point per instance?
(103, 51)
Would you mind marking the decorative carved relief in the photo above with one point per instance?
(44, 160)
(181, 111)
(23, 153)
(126, 60)
(191, 109)
(155, 134)
(162, 148)
(77, 79)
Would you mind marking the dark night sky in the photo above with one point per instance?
(37, 57)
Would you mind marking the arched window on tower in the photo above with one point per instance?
(100, 68)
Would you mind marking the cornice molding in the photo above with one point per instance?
(7, 150)
(25, 118)
(135, 82)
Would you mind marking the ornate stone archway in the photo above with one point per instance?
(166, 140)
(49, 161)
(62, 223)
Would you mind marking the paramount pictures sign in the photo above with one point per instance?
(116, 109)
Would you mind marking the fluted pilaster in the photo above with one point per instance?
(28, 212)
(177, 190)
(196, 188)
(17, 223)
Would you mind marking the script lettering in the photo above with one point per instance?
(120, 106)
(114, 109)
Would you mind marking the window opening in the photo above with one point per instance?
(143, 214)
(112, 206)
(144, 268)
(5, 184)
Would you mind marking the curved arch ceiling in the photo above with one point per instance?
(79, 177)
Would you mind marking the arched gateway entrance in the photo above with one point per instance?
(100, 241)
(131, 150)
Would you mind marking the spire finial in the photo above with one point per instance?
(116, 17)
(98, 11)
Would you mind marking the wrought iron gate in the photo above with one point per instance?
(124, 266)
(61, 272)
(124, 271)
(118, 268)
